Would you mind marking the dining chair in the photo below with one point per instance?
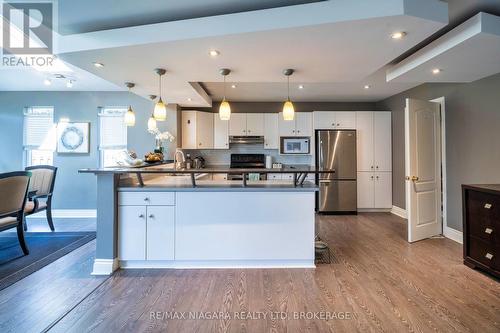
(40, 192)
(13, 194)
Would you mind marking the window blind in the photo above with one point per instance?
(112, 129)
(39, 129)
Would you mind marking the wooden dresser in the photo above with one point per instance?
(481, 218)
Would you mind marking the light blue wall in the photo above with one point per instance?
(74, 190)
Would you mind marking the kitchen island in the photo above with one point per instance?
(159, 217)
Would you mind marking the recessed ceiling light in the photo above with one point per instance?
(233, 86)
(189, 99)
(436, 71)
(398, 35)
(367, 86)
(98, 64)
(214, 53)
(69, 84)
(47, 82)
(301, 87)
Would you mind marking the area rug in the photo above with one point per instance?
(44, 247)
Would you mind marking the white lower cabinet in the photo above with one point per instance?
(132, 232)
(160, 233)
(146, 232)
(374, 190)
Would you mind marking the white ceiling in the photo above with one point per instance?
(468, 53)
(339, 44)
(336, 46)
(78, 16)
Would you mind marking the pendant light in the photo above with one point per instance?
(129, 115)
(288, 109)
(160, 110)
(225, 108)
(152, 121)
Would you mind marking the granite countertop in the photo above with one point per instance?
(209, 170)
(184, 183)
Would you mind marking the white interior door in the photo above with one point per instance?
(423, 169)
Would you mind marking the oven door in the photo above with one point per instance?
(295, 145)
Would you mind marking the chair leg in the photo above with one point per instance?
(20, 236)
(49, 215)
(25, 224)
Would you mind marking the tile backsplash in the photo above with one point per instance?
(223, 156)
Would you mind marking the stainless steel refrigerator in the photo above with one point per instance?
(336, 149)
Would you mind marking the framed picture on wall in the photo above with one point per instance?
(73, 138)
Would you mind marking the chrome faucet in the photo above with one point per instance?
(179, 164)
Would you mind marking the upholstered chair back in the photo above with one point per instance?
(13, 191)
(42, 179)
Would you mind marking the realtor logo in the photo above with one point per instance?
(27, 27)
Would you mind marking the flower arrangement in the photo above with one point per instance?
(161, 137)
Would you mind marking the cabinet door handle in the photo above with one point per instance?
(371, 177)
(298, 131)
(488, 206)
(489, 256)
(377, 177)
(371, 167)
(151, 216)
(293, 131)
(199, 144)
(146, 199)
(333, 124)
(338, 124)
(376, 167)
(141, 216)
(488, 231)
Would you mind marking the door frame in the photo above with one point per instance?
(445, 230)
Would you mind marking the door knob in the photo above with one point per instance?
(489, 256)
(488, 231)
(412, 178)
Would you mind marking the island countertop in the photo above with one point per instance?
(295, 169)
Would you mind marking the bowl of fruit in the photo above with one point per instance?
(153, 157)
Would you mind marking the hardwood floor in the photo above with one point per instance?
(376, 279)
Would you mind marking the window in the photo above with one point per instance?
(39, 135)
(112, 135)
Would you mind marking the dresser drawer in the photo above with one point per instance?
(146, 198)
(483, 208)
(484, 252)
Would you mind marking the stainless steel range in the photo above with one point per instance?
(247, 161)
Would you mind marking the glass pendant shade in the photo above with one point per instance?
(288, 110)
(130, 117)
(160, 111)
(224, 110)
(151, 123)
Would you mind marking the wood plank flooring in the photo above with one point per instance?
(381, 283)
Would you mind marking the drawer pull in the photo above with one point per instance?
(488, 206)
(146, 199)
(488, 256)
(151, 216)
(141, 216)
(488, 231)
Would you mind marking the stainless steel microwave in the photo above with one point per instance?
(295, 145)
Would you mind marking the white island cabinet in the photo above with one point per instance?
(215, 228)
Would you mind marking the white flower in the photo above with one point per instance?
(162, 136)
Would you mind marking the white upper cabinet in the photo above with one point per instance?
(324, 120)
(334, 120)
(382, 139)
(255, 124)
(364, 137)
(303, 123)
(197, 130)
(271, 136)
(238, 124)
(300, 126)
(374, 141)
(345, 120)
(221, 133)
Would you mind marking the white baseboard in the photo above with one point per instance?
(453, 234)
(216, 264)
(68, 214)
(374, 210)
(399, 212)
(105, 266)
